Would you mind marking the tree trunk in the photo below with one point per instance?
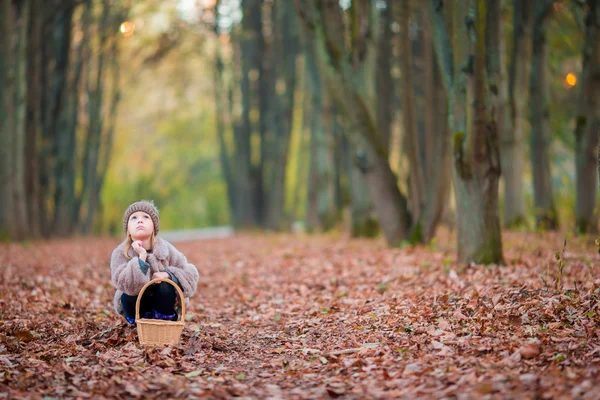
(341, 157)
(439, 180)
(588, 123)
(246, 191)
(545, 211)
(283, 107)
(7, 114)
(496, 67)
(409, 115)
(21, 223)
(68, 212)
(92, 178)
(429, 68)
(264, 64)
(65, 216)
(319, 204)
(361, 211)
(55, 66)
(220, 91)
(384, 80)
(511, 142)
(33, 122)
(111, 116)
(390, 205)
(475, 148)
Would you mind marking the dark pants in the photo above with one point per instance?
(160, 297)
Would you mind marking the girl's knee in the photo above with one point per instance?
(165, 289)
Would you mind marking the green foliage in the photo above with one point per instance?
(178, 168)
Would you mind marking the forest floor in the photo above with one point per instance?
(295, 317)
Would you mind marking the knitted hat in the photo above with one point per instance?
(146, 206)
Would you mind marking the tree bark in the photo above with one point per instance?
(545, 211)
(283, 107)
(21, 220)
(6, 113)
(588, 123)
(475, 148)
(264, 65)
(496, 67)
(55, 67)
(246, 190)
(220, 92)
(341, 150)
(94, 143)
(319, 199)
(111, 115)
(66, 214)
(384, 80)
(33, 122)
(439, 180)
(511, 137)
(430, 65)
(409, 115)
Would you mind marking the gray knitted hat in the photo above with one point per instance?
(146, 206)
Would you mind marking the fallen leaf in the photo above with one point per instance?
(529, 350)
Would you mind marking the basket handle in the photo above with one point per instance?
(153, 281)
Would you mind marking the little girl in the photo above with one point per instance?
(143, 256)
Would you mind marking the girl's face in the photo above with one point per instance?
(140, 226)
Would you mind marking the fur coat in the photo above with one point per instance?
(127, 276)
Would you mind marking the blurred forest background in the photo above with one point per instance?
(372, 117)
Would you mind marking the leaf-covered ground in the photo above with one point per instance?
(283, 316)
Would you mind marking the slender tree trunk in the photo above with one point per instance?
(439, 180)
(341, 158)
(33, 122)
(409, 115)
(5, 8)
(246, 191)
(264, 65)
(429, 69)
(545, 211)
(384, 80)
(7, 114)
(496, 67)
(511, 142)
(302, 159)
(311, 220)
(111, 116)
(64, 195)
(21, 220)
(319, 206)
(92, 177)
(220, 92)
(55, 64)
(68, 208)
(588, 123)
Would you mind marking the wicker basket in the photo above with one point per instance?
(157, 331)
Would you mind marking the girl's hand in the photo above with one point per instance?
(138, 248)
(160, 275)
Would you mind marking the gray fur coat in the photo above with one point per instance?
(127, 277)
